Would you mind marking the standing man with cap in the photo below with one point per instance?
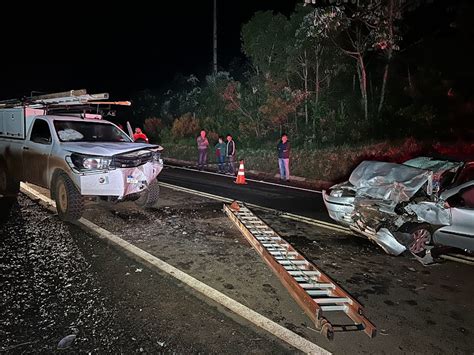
(202, 145)
(283, 148)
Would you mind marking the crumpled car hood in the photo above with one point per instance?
(389, 181)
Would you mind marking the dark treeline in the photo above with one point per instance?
(379, 69)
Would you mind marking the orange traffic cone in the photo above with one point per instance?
(241, 174)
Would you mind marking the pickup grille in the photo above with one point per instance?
(132, 160)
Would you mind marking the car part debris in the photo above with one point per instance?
(312, 289)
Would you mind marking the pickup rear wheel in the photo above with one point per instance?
(9, 188)
(69, 202)
(150, 196)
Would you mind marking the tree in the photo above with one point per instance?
(263, 42)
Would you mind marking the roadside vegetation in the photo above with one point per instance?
(345, 82)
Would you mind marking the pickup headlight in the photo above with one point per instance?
(156, 156)
(85, 162)
(336, 193)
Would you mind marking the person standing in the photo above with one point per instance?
(202, 145)
(139, 136)
(230, 154)
(283, 148)
(220, 153)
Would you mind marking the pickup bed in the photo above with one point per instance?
(75, 158)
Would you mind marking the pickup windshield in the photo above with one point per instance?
(87, 131)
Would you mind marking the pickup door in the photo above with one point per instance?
(36, 153)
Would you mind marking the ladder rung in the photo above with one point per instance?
(273, 245)
(318, 292)
(295, 267)
(293, 262)
(305, 279)
(284, 257)
(316, 285)
(333, 308)
(268, 238)
(276, 245)
(300, 272)
(330, 300)
(277, 253)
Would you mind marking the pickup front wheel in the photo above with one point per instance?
(150, 196)
(69, 202)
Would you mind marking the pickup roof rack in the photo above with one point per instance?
(67, 102)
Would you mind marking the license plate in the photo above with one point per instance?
(131, 180)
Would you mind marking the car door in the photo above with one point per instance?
(36, 153)
(460, 233)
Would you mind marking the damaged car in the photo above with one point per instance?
(412, 206)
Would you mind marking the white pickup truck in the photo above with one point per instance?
(75, 158)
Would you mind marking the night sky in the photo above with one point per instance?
(117, 48)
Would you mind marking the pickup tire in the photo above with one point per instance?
(69, 202)
(9, 189)
(150, 196)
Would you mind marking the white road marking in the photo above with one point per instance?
(257, 319)
(253, 180)
(315, 222)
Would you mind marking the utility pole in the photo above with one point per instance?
(214, 40)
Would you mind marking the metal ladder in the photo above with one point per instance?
(313, 290)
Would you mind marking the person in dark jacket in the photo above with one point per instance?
(283, 148)
(230, 154)
(221, 153)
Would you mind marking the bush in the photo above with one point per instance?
(153, 127)
(185, 126)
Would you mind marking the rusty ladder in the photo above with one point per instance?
(313, 290)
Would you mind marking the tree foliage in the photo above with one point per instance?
(324, 74)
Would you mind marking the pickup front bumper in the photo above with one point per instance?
(118, 182)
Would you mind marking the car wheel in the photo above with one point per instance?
(150, 196)
(420, 239)
(69, 202)
(9, 189)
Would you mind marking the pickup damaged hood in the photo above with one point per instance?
(105, 149)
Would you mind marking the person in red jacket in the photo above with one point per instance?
(139, 136)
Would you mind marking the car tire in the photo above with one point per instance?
(9, 189)
(149, 197)
(420, 238)
(69, 202)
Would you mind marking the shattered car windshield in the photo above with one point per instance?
(86, 131)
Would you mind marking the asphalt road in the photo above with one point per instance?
(282, 198)
(65, 291)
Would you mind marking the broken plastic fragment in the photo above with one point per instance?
(67, 341)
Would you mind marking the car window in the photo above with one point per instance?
(40, 132)
(463, 199)
(467, 174)
(87, 131)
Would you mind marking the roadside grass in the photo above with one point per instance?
(332, 164)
